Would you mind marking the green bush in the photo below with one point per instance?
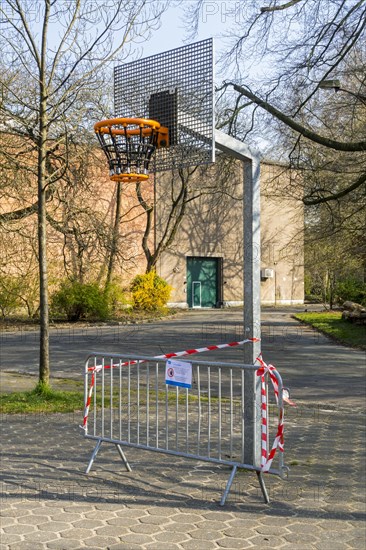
(116, 298)
(80, 301)
(10, 294)
(150, 292)
(313, 298)
(351, 289)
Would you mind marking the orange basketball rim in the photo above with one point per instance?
(129, 145)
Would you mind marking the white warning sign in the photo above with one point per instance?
(178, 373)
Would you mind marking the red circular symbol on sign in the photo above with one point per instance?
(171, 372)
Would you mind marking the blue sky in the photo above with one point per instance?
(219, 19)
(213, 20)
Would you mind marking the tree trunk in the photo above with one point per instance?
(115, 237)
(44, 355)
(44, 360)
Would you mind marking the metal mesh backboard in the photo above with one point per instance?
(174, 88)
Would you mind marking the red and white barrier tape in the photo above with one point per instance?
(98, 368)
(267, 457)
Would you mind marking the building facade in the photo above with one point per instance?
(204, 263)
(197, 227)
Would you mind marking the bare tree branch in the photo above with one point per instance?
(279, 8)
(306, 132)
(309, 201)
(19, 214)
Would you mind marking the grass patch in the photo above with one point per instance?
(44, 399)
(41, 400)
(332, 324)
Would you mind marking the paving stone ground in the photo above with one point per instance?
(48, 502)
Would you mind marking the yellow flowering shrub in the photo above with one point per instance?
(150, 292)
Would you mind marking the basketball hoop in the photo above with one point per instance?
(129, 144)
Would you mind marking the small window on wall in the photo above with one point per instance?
(204, 282)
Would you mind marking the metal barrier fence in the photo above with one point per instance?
(130, 404)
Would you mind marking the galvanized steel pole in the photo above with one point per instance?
(252, 313)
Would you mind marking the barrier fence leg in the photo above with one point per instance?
(123, 456)
(95, 452)
(228, 486)
(263, 487)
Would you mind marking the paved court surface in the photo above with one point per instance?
(48, 502)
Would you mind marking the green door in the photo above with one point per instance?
(202, 282)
